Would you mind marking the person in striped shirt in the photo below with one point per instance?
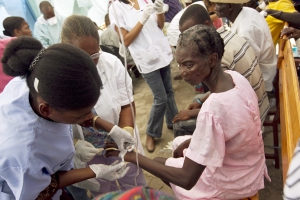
(238, 56)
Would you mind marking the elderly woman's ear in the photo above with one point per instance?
(213, 59)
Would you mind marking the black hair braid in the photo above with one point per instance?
(206, 39)
(67, 76)
(19, 54)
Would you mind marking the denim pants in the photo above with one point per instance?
(164, 104)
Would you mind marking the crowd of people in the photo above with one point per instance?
(67, 110)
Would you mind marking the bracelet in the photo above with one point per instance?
(212, 13)
(199, 101)
(94, 122)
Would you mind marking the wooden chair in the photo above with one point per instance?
(274, 124)
(289, 103)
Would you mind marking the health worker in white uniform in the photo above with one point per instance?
(113, 106)
(35, 109)
(141, 22)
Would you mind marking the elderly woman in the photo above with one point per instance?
(224, 158)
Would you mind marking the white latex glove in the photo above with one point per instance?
(159, 6)
(85, 151)
(110, 172)
(146, 13)
(166, 8)
(122, 138)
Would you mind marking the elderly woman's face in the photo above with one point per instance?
(193, 69)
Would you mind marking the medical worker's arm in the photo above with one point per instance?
(130, 36)
(126, 117)
(61, 179)
(160, 15)
(39, 34)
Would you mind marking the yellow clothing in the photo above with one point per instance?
(274, 24)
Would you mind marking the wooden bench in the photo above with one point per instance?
(289, 103)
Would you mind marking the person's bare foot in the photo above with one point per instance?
(150, 145)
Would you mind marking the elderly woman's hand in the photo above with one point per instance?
(290, 32)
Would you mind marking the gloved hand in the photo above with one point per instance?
(122, 138)
(166, 7)
(146, 14)
(159, 6)
(85, 151)
(110, 172)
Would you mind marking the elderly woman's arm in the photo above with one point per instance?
(185, 177)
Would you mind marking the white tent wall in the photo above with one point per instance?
(98, 11)
(29, 9)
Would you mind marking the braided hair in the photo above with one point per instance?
(203, 38)
(67, 76)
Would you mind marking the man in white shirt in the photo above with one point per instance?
(173, 29)
(47, 28)
(250, 25)
(109, 37)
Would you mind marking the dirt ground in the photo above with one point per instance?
(184, 94)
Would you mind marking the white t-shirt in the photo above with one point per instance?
(150, 50)
(173, 29)
(31, 147)
(253, 27)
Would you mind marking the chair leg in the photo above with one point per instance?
(276, 144)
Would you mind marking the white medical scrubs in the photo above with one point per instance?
(31, 147)
(150, 50)
(48, 34)
(116, 92)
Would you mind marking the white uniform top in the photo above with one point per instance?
(173, 29)
(150, 50)
(253, 27)
(31, 147)
(113, 95)
(48, 34)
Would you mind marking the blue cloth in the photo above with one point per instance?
(31, 147)
(164, 104)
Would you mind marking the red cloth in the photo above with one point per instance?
(218, 23)
(4, 79)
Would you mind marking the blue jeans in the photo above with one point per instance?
(164, 104)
